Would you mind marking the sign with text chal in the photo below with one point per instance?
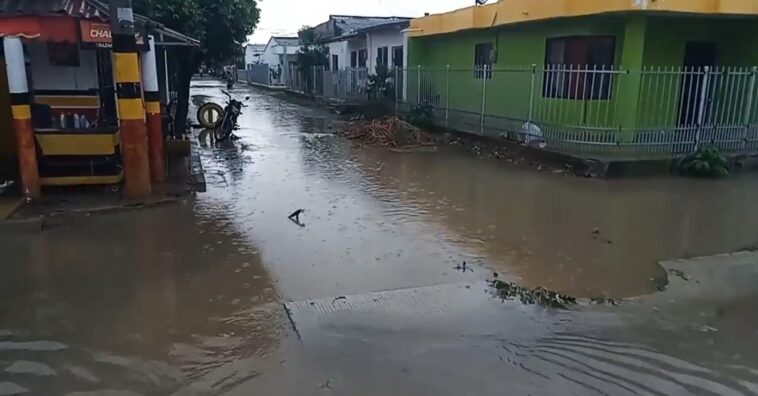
(98, 34)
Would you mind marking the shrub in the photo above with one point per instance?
(380, 85)
(421, 115)
(705, 162)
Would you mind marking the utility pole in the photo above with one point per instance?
(134, 145)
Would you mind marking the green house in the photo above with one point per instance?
(622, 76)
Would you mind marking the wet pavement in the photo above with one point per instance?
(223, 294)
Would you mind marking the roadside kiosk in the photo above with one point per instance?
(63, 48)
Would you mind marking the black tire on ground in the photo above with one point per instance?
(209, 114)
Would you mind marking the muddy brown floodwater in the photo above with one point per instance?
(222, 294)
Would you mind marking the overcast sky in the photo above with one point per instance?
(286, 17)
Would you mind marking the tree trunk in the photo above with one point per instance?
(187, 63)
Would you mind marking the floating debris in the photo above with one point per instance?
(605, 301)
(539, 296)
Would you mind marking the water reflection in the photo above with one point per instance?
(148, 300)
(540, 226)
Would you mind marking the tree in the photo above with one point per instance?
(312, 54)
(222, 26)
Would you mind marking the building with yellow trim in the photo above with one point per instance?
(643, 71)
(67, 50)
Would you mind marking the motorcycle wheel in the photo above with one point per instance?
(223, 131)
(209, 115)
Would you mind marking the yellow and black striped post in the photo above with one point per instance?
(153, 109)
(130, 108)
(22, 117)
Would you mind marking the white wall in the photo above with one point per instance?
(48, 77)
(270, 56)
(355, 44)
(273, 55)
(389, 38)
(250, 55)
(249, 59)
(339, 48)
(392, 37)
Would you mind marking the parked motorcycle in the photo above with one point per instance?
(224, 125)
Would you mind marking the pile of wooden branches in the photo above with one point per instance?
(385, 132)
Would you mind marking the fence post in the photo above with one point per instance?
(397, 80)
(531, 93)
(701, 105)
(447, 97)
(418, 85)
(484, 98)
(749, 104)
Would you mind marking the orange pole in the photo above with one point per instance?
(155, 139)
(26, 151)
(22, 117)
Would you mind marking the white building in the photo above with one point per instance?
(280, 51)
(363, 42)
(254, 54)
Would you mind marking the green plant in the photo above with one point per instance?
(705, 162)
(379, 84)
(421, 115)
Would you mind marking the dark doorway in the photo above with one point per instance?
(107, 89)
(697, 55)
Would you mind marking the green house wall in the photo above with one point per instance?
(640, 41)
(665, 42)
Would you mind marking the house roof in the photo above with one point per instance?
(349, 24)
(388, 25)
(283, 41)
(286, 41)
(506, 12)
(82, 9)
(342, 27)
(175, 37)
(255, 49)
(87, 9)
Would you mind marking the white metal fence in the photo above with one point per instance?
(259, 73)
(346, 85)
(593, 109)
(656, 111)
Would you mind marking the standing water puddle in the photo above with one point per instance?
(189, 298)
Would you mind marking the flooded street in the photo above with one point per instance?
(222, 294)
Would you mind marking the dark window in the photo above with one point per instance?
(483, 54)
(579, 67)
(362, 57)
(63, 54)
(397, 56)
(382, 56)
(335, 62)
(354, 59)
